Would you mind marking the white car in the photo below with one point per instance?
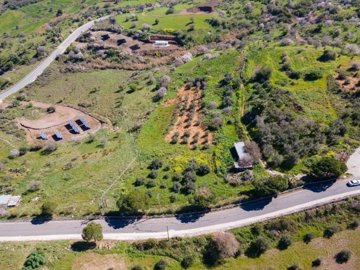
(353, 183)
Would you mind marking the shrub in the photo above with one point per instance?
(92, 232)
(262, 74)
(137, 267)
(153, 174)
(203, 169)
(156, 164)
(177, 177)
(34, 186)
(176, 187)
(49, 148)
(353, 225)
(187, 262)
(284, 242)
(312, 75)
(328, 167)
(35, 260)
(257, 247)
(189, 176)
(328, 55)
(48, 208)
(329, 232)
(308, 237)
(316, 262)
(216, 123)
(139, 181)
(294, 266)
(132, 202)
(204, 197)
(160, 265)
(151, 184)
(343, 256)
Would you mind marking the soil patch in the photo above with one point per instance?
(58, 121)
(188, 128)
(351, 83)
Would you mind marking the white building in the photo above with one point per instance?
(9, 200)
(161, 43)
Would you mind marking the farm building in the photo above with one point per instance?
(161, 43)
(243, 160)
(9, 200)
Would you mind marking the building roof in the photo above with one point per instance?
(58, 135)
(84, 122)
(240, 149)
(4, 199)
(14, 200)
(73, 126)
(43, 136)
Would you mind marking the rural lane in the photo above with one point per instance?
(185, 225)
(32, 76)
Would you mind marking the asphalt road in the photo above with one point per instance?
(32, 76)
(185, 225)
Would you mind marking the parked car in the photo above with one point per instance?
(353, 183)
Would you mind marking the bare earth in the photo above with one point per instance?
(50, 123)
(185, 99)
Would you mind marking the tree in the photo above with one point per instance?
(343, 256)
(48, 208)
(132, 202)
(271, 185)
(221, 246)
(312, 75)
(262, 74)
(34, 260)
(328, 167)
(284, 242)
(92, 232)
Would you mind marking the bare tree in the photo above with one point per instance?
(225, 245)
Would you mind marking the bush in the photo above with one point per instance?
(203, 169)
(35, 260)
(308, 237)
(316, 263)
(34, 186)
(312, 75)
(137, 267)
(204, 197)
(132, 202)
(327, 55)
(262, 74)
(139, 181)
(48, 208)
(294, 266)
(151, 184)
(160, 265)
(189, 176)
(271, 185)
(257, 247)
(353, 225)
(328, 167)
(329, 232)
(343, 256)
(92, 232)
(187, 262)
(155, 164)
(153, 174)
(284, 242)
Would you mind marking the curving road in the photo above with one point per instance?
(32, 76)
(185, 225)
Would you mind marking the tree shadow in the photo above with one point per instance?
(190, 214)
(256, 205)
(118, 222)
(318, 187)
(40, 219)
(82, 246)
